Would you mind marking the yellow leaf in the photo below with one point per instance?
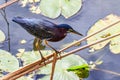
(114, 42)
(23, 41)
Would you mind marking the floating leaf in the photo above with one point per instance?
(35, 9)
(61, 65)
(25, 2)
(8, 62)
(61, 68)
(23, 41)
(2, 36)
(70, 7)
(21, 50)
(24, 78)
(68, 44)
(53, 8)
(1, 75)
(81, 71)
(114, 42)
(50, 8)
(31, 56)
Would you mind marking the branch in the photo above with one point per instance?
(8, 3)
(33, 66)
(108, 71)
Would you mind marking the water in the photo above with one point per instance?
(92, 11)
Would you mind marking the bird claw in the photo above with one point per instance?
(43, 60)
(58, 53)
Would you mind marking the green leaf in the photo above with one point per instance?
(8, 62)
(61, 65)
(31, 56)
(53, 8)
(115, 29)
(2, 36)
(70, 7)
(82, 71)
(50, 8)
(68, 44)
(61, 68)
(1, 75)
(24, 78)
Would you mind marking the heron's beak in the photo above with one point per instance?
(75, 32)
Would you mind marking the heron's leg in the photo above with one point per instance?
(42, 57)
(46, 42)
(54, 60)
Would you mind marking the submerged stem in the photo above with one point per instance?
(3, 13)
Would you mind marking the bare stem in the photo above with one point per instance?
(8, 3)
(53, 65)
(3, 13)
(31, 66)
(108, 71)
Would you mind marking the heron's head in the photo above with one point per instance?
(69, 29)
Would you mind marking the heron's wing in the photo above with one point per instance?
(43, 28)
(40, 28)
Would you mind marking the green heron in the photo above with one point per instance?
(45, 30)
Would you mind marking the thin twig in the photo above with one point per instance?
(23, 73)
(25, 69)
(108, 71)
(86, 46)
(8, 3)
(53, 65)
(8, 27)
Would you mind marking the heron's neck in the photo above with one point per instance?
(60, 34)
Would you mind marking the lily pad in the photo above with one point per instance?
(25, 2)
(81, 71)
(23, 41)
(61, 65)
(50, 8)
(61, 68)
(53, 8)
(31, 56)
(1, 75)
(114, 42)
(70, 7)
(2, 36)
(24, 78)
(68, 44)
(8, 62)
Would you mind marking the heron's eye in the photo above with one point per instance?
(70, 30)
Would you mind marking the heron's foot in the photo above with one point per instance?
(58, 53)
(43, 60)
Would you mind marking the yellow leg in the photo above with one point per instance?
(46, 42)
(42, 57)
(54, 60)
